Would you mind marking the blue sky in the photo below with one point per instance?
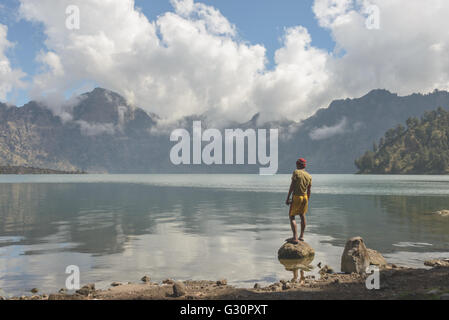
(257, 21)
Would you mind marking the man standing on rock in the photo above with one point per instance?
(300, 187)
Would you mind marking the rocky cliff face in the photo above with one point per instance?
(105, 135)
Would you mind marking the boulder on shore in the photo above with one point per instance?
(355, 257)
(302, 250)
(376, 258)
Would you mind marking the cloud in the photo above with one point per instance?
(326, 132)
(192, 61)
(183, 63)
(10, 78)
(407, 54)
(93, 129)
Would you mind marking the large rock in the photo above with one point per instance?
(376, 258)
(302, 250)
(355, 258)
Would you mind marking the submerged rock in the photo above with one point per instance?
(355, 257)
(376, 258)
(302, 250)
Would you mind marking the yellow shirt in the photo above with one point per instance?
(301, 182)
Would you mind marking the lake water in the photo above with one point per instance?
(204, 227)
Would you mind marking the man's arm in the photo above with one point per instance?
(309, 191)
(290, 191)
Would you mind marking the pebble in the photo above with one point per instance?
(168, 281)
(179, 289)
(222, 282)
(116, 284)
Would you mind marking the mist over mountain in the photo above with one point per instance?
(105, 134)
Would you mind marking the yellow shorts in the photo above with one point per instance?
(299, 205)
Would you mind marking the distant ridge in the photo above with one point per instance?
(29, 170)
(104, 134)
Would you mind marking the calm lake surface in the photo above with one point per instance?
(204, 227)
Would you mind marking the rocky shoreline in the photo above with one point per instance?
(395, 282)
(31, 170)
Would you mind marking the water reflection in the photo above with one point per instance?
(295, 265)
(121, 231)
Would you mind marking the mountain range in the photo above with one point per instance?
(102, 133)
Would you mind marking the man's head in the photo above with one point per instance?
(301, 163)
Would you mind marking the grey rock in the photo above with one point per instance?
(326, 270)
(87, 289)
(179, 289)
(286, 286)
(222, 282)
(376, 258)
(116, 284)
(355, 257)
(168, 281)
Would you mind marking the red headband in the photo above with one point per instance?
(302, 161)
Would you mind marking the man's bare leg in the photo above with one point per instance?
(294, 229)
(303, 226)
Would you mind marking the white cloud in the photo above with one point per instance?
(405, 55)
(93, 129)
(10, 78)
(326, 132)
(192, 61)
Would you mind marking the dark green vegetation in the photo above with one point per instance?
(421, 148)
(101, 133)
(28, 170)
